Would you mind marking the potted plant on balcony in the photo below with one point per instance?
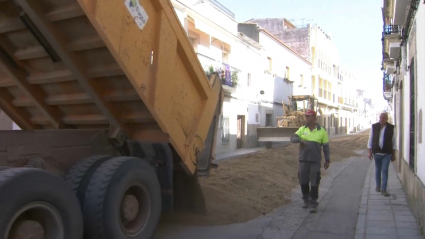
(209, 72)
(388, 84)
(235, 78)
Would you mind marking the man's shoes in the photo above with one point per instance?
(384, 193)
(313, 209)
(305, 205)
(378, 189)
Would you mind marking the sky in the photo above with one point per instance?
(355, 27)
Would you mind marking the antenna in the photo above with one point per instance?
(302, 19)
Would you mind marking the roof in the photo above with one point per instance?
(249, 41)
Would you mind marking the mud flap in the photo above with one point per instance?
(188, 195)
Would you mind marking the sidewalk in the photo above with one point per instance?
(385, 217)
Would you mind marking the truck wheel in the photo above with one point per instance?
(123, 200)
(37, 204)
(79, 175)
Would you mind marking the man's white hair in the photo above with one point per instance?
(385, 112)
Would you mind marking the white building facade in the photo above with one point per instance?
(325, 82)
(251, 99)
(284, 73)
(403, 83)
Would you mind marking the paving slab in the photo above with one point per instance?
(385, 217)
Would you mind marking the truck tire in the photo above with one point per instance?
(34, 203)
(79, 175)
(123, 200)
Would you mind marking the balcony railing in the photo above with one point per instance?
(387, 84)
(223, 8)
(392, 29)
(229, 75)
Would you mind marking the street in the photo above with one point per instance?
(340, 199)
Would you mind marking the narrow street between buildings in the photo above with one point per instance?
(257, 196)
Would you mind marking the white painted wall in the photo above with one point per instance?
(406, 112)
(253, 110)
(420, 38)
(283, 57)
(208, 12)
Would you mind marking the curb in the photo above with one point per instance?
(361, 219)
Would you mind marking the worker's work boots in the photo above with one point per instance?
(305, 205)
(384, 193)
(313, 209)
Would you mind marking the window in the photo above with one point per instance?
(257, 118)
(270, 64)
(225, 57)
(225, 132)
(195, 43)
(287, 76)
(302, 81)
(321, 87)
(329, 91)
(249, 80)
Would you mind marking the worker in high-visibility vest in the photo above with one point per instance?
(312, 138)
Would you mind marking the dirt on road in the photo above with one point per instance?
(252, 185)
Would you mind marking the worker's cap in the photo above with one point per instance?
(310, 112)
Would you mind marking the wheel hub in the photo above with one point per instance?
(135, 209)
(28, 230)
(130, 207)
(37, 220)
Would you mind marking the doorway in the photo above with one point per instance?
(401, 129)
(346, 126)
(336, 125)
(412, 137)
(241, 132)
(269, 118)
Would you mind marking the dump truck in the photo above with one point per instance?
(117, 115)
(293, 119)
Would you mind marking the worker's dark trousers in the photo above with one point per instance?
(309, 175)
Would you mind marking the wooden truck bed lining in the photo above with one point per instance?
(68, 64)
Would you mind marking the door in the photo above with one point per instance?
(241, 132)
(324, 122)
(269, 120)
(401, 131)
(336, 125)
(412, 137)
(346, 126)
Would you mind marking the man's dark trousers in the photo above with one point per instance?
(309, 175)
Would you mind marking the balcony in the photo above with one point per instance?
(228, 74)
(392, 29)
(387, 83)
